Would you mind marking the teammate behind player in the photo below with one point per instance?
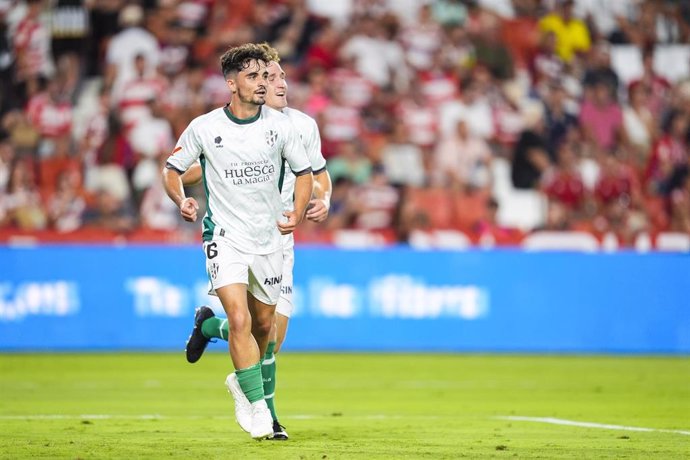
(242, 148)
(214, 327)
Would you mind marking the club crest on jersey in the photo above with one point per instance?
(271, 138)
(213, 270)
(218, 141)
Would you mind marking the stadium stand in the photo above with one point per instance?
(445, 123)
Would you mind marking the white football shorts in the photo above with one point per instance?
(285, 305)
(227, 265)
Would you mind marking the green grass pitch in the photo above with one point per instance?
(342, 406)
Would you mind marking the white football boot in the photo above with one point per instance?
(262, 421)
(243, 408)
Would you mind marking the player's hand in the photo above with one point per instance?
(188, 209)
(288, 227)
(317, 210)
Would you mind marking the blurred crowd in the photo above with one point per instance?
(433, 114)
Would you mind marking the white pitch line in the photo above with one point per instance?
(603, 426)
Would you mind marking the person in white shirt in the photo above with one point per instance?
(214, 327)
(242, 148)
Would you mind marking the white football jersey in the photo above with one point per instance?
(309, 134)
(241, 163)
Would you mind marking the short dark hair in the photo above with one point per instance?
(238, 58)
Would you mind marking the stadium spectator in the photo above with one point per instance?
(492, 53)
(375, 204)
(341, 213)
(438, 82)
(601, 119)
(463, 160)
(132, 41)
(607, 20)
(110, 213)
(563, 182)
(323, 52)
(150, 138)
(376, 56)
(599, 70)
(67, 204)
(472, 107)
(639, 124)
(22, 202)
(572, 35)
(32, 49)
(530, 157)
(422, 39)
(293, 30)
(546, 66)
(50, 113)
(157, 211)
(133, 96)
(350, 163)
(340, 122)
(559, 123)
(403, 162)
(656, 85)
(680, 202)
(619, 200)
(356, 90)
(420, 117)
(7, 158)
(669, 152)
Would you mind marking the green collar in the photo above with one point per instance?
(241, 121)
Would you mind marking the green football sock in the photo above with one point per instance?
(268, 372)
(250, 382)
(215, 328)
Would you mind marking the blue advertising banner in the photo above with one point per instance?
(105, 298)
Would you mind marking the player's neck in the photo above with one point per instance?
(242, 111)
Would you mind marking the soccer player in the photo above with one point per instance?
(214, 327)
(242, 148)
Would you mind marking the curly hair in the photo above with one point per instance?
(271, 52)
(238, 58)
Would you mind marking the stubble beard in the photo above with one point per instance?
(253, 99)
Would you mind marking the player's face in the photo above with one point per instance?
(277, 87)
(250, 83)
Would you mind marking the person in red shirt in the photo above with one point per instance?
(563, 182)
(656, 85)
(32, 48)
(50, 113)
(619, 198)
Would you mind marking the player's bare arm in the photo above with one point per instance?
(303, 188)
(319, 205)
(173, 187)
(192, 176)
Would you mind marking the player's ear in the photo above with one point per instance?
(232, 84)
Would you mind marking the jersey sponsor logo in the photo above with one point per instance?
(286, 289)
(273, 280)
(251, 172)
(218, 141)
(271, 137)
(177, 149)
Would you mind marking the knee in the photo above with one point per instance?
(262, 326)
(239, 323)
